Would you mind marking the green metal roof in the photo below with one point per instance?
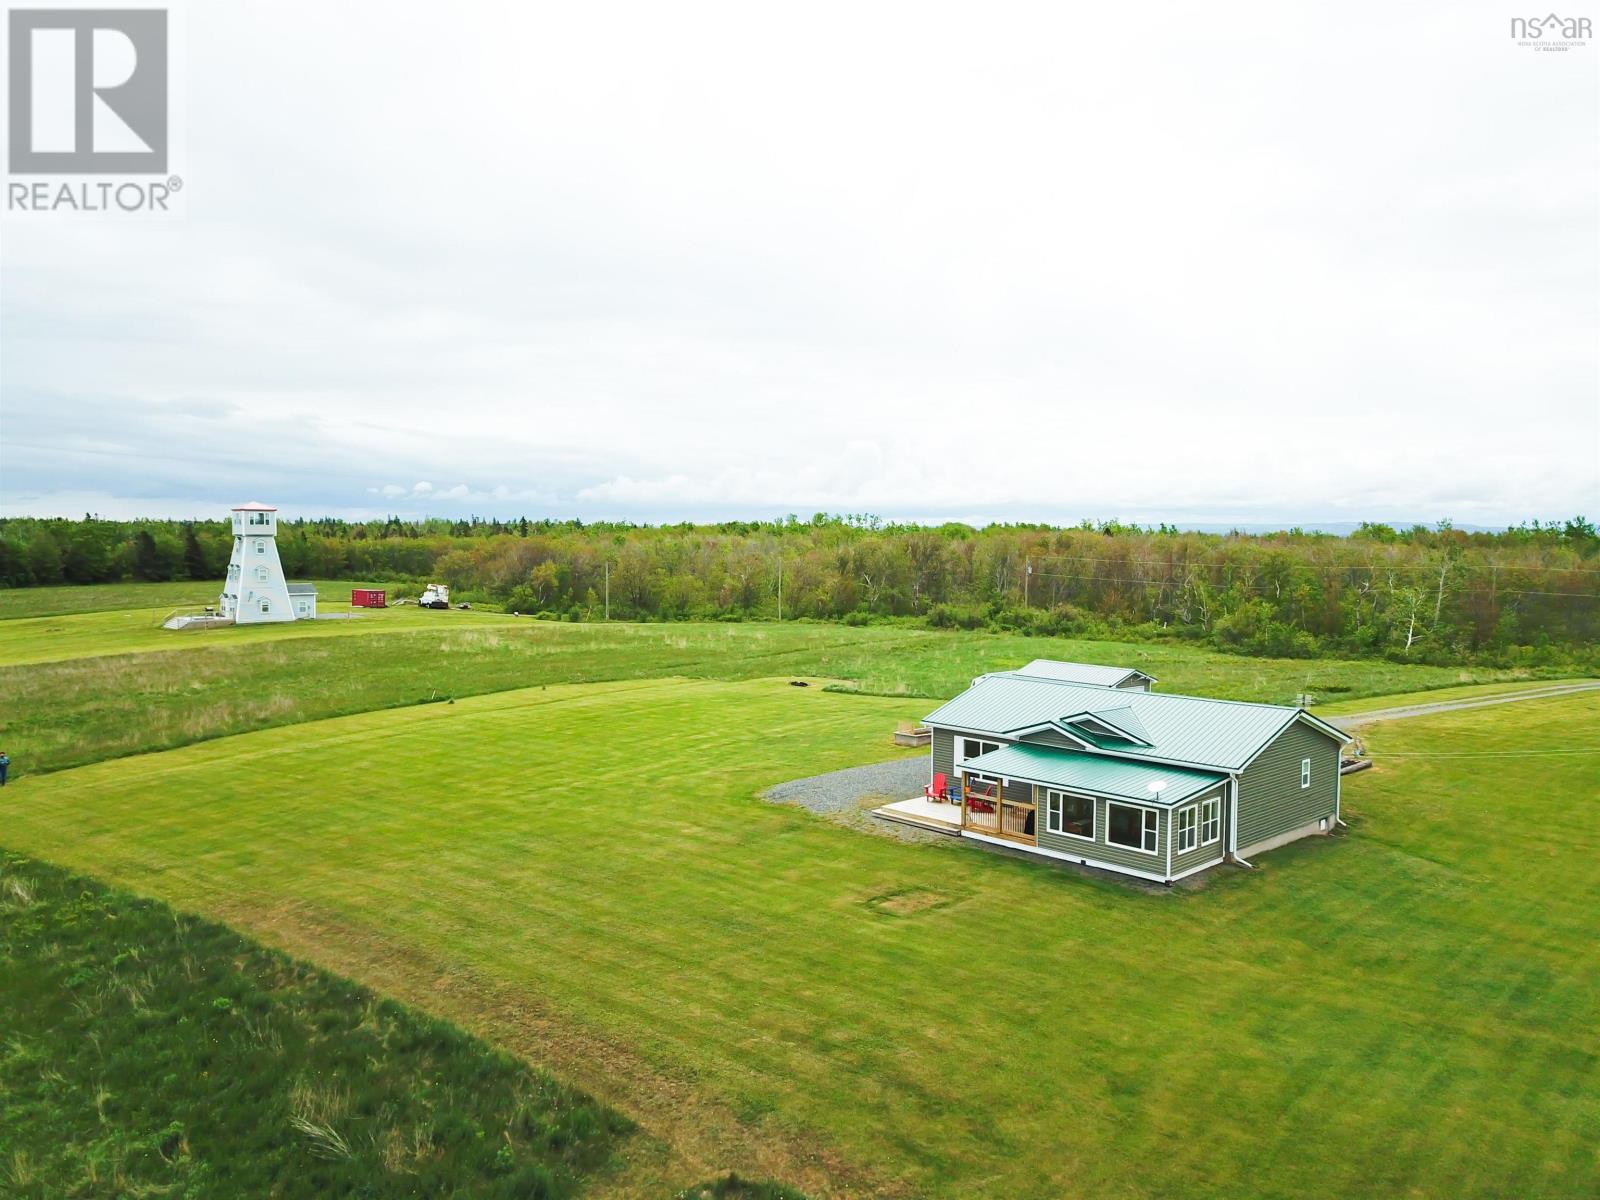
(1072, 770)
(1120, 721)
(1071, 672)
(1220, 734)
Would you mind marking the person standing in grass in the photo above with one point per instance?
(5, 767)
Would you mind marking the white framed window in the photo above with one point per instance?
(261, 546)
(261, 574)
(1068, 814)
(1305, 772)
(1211, 821)
(1130, 827)
(1188, 829)
(969, 747)
(266, 605)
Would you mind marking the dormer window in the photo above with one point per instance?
(1099, 729)
(1116, 729)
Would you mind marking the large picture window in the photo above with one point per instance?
(1134, 828)
(1210, 821)
(1067, 814)
(1188, 829)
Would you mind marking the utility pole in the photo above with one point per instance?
(780, 589)
(608, 589)
(1027, 578)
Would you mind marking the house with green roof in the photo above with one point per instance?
(1084, 763)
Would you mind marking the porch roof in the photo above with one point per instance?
(1071, 770)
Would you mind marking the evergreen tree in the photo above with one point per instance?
(45, 558)
(194, 558)
(146, 556)
(88, 558)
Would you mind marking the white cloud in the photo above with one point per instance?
(905, 259)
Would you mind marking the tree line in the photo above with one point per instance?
(1527, 594)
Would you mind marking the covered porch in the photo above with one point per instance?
(998, 808)
(1061, 800)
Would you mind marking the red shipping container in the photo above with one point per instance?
(368, 598)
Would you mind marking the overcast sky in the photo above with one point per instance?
(1239, 262)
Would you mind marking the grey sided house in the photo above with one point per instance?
(1084, 763)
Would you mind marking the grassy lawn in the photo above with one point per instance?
(1473, 691)
(122, 631)
(145, 1053)
(161, 598)
(18, 602)
(102, 704)
(583, 875)
(101, 597)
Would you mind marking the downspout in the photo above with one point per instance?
(1233, 823)
(1338, 788)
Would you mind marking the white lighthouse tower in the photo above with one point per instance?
(256, 591)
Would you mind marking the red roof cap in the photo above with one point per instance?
(254, 506)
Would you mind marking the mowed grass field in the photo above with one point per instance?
(129, 629)
(586, 875)
(84, 687)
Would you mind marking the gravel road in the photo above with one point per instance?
(1353, 720)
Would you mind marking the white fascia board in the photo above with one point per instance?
(1205, 866)
(1319, 725)
(1322, 726)
(1049, 727)
(1126, 756)
(1073, 789)
(1081, 859)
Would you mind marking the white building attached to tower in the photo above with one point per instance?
(256, 591)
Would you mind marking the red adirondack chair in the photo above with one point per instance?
(937, 791)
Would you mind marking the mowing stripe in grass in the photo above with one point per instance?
(1305, 1029)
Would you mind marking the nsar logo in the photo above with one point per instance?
(1552, 32)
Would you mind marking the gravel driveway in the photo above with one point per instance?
(843, 791)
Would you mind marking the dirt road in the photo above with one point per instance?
(1355, 720)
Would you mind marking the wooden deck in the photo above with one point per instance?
(923, 814)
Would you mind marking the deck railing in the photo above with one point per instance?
(980, 799)
(985, 809)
